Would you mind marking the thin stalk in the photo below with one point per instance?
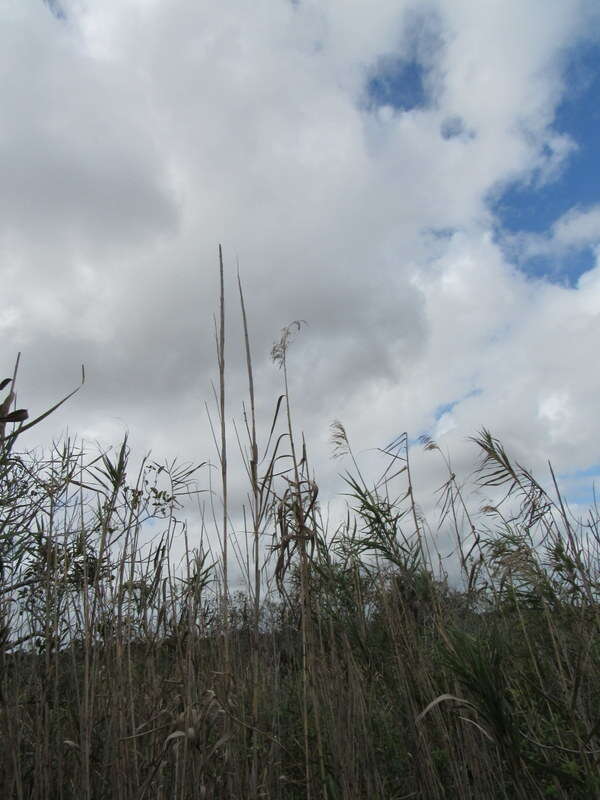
(255, 510)
(253, 459)
(223, 458)
(300, 526)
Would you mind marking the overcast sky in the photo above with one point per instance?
(416, 180)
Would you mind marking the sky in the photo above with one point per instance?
(418, 181)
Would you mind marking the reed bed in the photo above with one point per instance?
(349, 667)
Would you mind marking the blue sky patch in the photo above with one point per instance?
(531, 208)
(566, 270)
(582, 486)
(397, 83)
(588, 472)
(445, 408)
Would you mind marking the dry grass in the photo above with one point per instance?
(349, 668)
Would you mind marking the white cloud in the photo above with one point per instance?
(575, 230)
(137, 135)
(578, 227)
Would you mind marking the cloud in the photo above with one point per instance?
(573, 233)
(578, 228)
(138, 135)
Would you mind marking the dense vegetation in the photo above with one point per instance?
(348, 668)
